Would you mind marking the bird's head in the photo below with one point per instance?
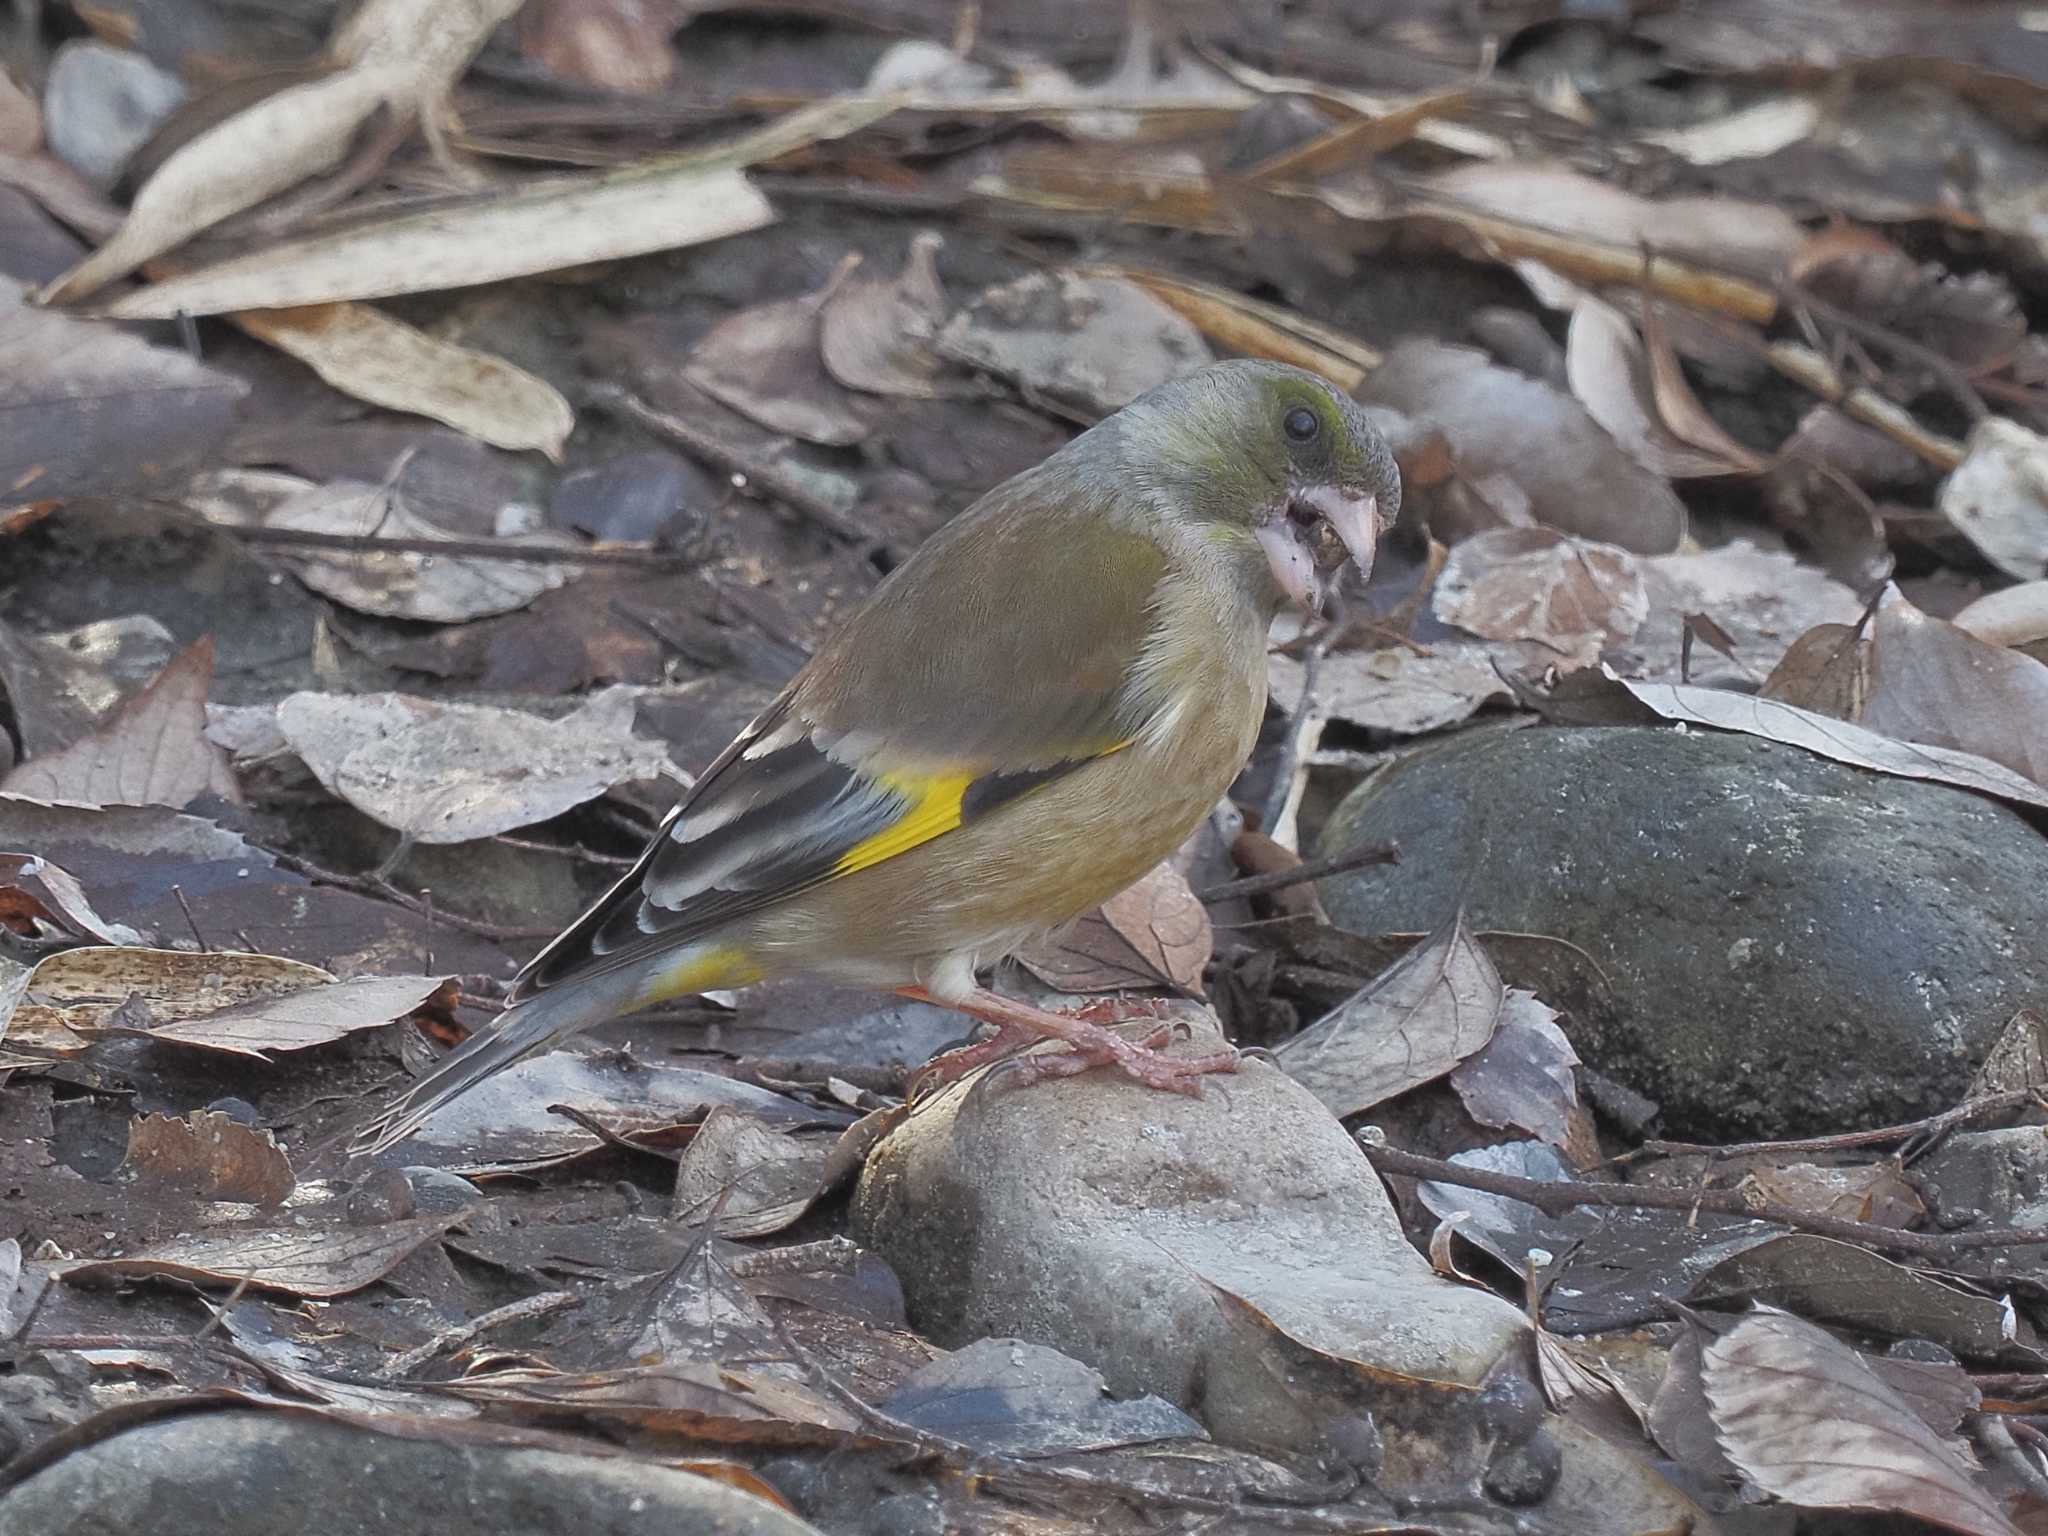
(1274, 466)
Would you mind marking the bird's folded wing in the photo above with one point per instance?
(893, 736)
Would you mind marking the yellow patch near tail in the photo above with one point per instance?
(934, 808)
(700, 970)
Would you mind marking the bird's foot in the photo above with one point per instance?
(1090, 1041)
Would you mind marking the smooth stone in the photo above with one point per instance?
(1219, 1253)
(101, 105)
(1997, 1177)
(1790, 945)
(239, 1473)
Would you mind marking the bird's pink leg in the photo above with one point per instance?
(1091, 1045)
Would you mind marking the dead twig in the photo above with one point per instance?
(523, 1310)
(1556, 1198)
(1926, 1132)
(1358, 856)
(464, 549)
(762, 477)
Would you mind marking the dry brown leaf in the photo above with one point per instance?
(2018, 1058)
(1936, 684)
(699, 1399)
(91, 407)
(450, 773)
(402, 584)
(1498, 421)
(34, 892)
(1610, 371)
(1746, 134)
(876, 333)
(1826, 670)
(1091, 344)
(1523, 1076)
(765, 363)
(152, 750)
(1404, 691)
(609, 45)
(1997, 498)
(1432, 1009)
(1874, 1192)
(757, 1177)
(1803, 1417)
(1255, 328)
(1761, 599)
(1678, 407)
(211, 1155)
(1152, 934)
(312, 1264)
(1836, 739)
(312, 1016)
(1571, 595)
(380, 359)
(402, 56)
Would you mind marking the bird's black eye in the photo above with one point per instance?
(1301, 424)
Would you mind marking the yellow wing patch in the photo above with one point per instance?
(700, 970)
(934, 807)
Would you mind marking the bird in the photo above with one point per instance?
(1023, 718)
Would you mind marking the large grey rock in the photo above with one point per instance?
(255, 1474)
(1233, 1254)
(1792, 945)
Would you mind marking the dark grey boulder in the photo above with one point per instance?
(1793, 945)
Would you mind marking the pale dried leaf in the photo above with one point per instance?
(1936, 684)
(1803, 1417)
(79, 992)
(764, 1175)
(2018, 1058)
(1092, 344)
(86, 406)
(211, 1155)
(1747, 134)
(1571, 595)
(765, 363)
(152, 750)
(296, 1020)
(380, 359)
(402, 55)
(1151, 934)
(1678, 408)
(542, 226)
(1997, 498)
(450, 773)
(1725, 231)
(1835, 739)
(312, 1264)
(1498, 421)
(876, 333)
(1523, 1076)
(1404, 691)
(1610, 371)
(1432, 1009)
(402, 584)
(1762, 599)
(2018, 616)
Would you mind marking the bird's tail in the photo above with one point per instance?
(543, 1021)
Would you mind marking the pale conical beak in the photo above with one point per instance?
(1286, 540)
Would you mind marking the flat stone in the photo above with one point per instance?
(101, 104)
(1789, 945)
(1218, 1253)
(239, 1473)
(1997, 1177)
